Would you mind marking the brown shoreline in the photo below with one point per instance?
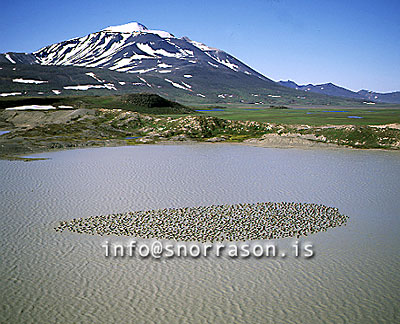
(302, 144)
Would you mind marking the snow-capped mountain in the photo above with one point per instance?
(132, 58)
(133, 48)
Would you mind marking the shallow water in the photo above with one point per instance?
(213, 109)
(49, 277)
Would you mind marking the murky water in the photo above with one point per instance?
(49, 277)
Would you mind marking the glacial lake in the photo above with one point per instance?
(50, 277)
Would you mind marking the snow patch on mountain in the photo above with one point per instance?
(135, 27)
(8, 57)
(177, 85)
(31, 107)
(126, 28)
(163, 65)
(10, 94)
(94, 76)
(148, 84)
(108, 86)
(200, 46)
(29, 81)
(155, 53)
(142, 71)
(186, 85)
(121, 65)
(230, 65)
(225, 62)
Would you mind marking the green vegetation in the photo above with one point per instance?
(105, 127)
(148, 118)
(383, 114)
(359, 136)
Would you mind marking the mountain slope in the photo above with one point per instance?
(391, 97)
(140, 102)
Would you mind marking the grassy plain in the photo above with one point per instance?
(311, 115)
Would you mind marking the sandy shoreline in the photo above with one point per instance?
(272, 141)
(277, 141)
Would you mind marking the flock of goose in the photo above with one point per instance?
(215, 223)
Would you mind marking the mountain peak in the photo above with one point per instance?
(135, 27)
(126, 28)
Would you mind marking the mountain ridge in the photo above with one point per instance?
(335, 90)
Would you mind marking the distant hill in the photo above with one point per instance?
(391, 97)
(331, 89)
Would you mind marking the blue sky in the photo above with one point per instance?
(355, 44)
